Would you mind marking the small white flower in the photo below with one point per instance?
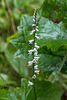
(30, 63)
(36, 46)
(36, 67)
(36, 36)
(37, 71)
(35, 53)
(35, 50)
(32, 32)
(34, 20)
(36, 58)
(34, 61)
(34, 16)
(31, 41)
(34, 76)
(37, 29)
(30, 51)
(30, 83)
(34, 25)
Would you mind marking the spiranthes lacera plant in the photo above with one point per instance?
(34, 52)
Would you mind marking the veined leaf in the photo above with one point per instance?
(52, 35)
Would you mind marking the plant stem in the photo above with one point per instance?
(64, 59)
(34, 80)
(33, 55)
(11, 18)
(34, 89)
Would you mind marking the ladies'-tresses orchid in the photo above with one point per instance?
(32, 32)
(30, 83)
(31, 41)
(30, 51)
(34, 52)
(34, 76)
(36, 46)
(36, 67)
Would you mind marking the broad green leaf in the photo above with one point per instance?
(19, 64)
(49, 63)
(52, 35)
(45, 91)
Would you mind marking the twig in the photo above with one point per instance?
(64, 59)
(11, 18)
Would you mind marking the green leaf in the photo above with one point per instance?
(19, 64)
(4, 80)
(44, 90)
(8, 94)
(52, 35)
(11, 37)
(49, 63)
(55, 10)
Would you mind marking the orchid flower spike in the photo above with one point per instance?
(34, 52)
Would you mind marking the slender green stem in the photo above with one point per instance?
(64, 59)
(34, 80)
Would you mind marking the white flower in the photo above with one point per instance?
(30, 83)
(37, 29)
(37, 71)
(34, 25)
(32, 32)
(30, 63)
(34, 16)
(36, 67)
(36, 46)
(30, 51)
(36, 36)
(31, 41)
(34, 76)
(35, 53)
(35, 50)
(33, 19)
(34, 61)
(36, 58)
